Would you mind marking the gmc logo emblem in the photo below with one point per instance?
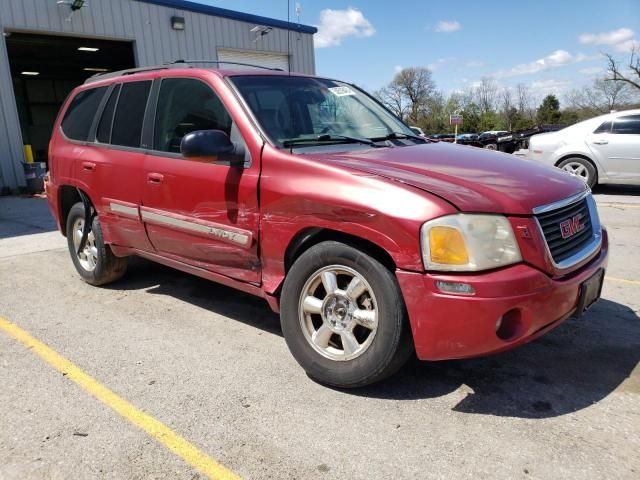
(571, 226)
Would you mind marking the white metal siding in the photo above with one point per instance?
(155, 42)
(263, 59)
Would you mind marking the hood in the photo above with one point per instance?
(471, 178)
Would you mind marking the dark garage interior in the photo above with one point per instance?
(45, 68)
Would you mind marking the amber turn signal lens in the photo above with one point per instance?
(447, 246)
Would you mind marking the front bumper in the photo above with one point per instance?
(448, 326)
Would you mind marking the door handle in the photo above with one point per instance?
(88, 166)
(600, 142)
(155, 178)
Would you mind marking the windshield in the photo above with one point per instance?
(310, 111)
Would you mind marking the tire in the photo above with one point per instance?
(582, 168)
(320, 331)
(491, 146)
(96, 264)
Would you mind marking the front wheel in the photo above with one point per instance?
(95, 262)
(343, 316)
(580, 168)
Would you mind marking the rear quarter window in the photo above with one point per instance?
(78, 118)
(604, 128)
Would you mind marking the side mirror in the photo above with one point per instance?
(207, 143)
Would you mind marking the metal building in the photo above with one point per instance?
(50, 46)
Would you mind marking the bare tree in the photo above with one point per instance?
(526, 102)
(393, 98)
(602, 96)
(617, 71)
(417, 87)
(508, 110)
(486, 94)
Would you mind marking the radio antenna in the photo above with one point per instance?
(288, 36)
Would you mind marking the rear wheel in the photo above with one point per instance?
(580, 168)
(343, 316)
(95, 262)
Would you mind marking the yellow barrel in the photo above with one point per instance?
(28, 154)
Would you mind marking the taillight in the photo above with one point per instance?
(47, 179)
(50, 172)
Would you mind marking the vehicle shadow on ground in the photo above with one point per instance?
(574, 366)
(157, 279)
(628, 190)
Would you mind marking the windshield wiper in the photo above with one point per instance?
(401, 135)
(328, 137)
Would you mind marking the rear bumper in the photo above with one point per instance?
(447, 326)
(52, 192)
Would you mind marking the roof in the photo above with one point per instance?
(184, 69)
(231, 14)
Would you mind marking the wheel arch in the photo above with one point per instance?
(308, 237)
(68, 196)
(577, 155)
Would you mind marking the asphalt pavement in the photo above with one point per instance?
(210, 365)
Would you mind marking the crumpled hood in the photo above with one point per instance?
(472, 179)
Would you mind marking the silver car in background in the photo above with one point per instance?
(604, 149)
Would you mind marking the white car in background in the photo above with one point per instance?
(605, 149)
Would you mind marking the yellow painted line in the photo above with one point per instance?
(622, 280)
(618, 205)
(163, 434)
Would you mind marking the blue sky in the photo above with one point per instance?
(551, 45)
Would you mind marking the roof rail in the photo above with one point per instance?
(130, 71)
(178, 62)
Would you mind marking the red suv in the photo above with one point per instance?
(371, 242)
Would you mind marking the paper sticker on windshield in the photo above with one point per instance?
(341, 91)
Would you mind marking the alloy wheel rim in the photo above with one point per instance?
(88, 256)
(577, 169)
(338, 313)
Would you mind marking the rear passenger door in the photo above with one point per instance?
(117, 164)
(625, 146)
(202, 212)
(616, 143)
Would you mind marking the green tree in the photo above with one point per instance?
(549, 110)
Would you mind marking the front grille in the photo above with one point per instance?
(577, 238)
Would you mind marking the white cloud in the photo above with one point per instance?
(550, 86)
(622, 39)
(474, 64)
(607, 38)
(398, 68)
(441, 61)
(591, 71)
(447, 27)
(555, 59)
(627, 46)
(336, 25)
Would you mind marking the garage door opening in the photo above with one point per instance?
(45, 68)
(263, 59)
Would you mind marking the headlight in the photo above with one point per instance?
(468, 242)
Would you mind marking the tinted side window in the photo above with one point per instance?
(103, 134)
(127, 124)
(604, 128)
(629, 125)
(186, 105)
(79, 116)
